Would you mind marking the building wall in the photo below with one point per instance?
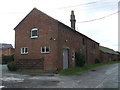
(62, 37)
(67, 39)
(92, 51)
(0, 52)
(57, 36)
(7, 51)
(115, 57)
(48, 29)
(119, 57)
(106, 57)
(75, 43)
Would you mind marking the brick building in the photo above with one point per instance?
(44, 43)
(6, 49)
(107, 54)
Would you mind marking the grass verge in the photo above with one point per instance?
(84, 68)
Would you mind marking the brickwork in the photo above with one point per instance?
(106, 57)
(55, 35)
(47, 30)
(75, 43)
(26, 63)
(7, 51)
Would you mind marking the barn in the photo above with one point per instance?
(46, 44)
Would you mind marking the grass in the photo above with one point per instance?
(84, 68)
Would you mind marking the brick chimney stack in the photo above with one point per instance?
(72, 19)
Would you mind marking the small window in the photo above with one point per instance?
(24, 50)
(45, 49)
(34, 33)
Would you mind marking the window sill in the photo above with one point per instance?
(24, 53)
(45, 52)
(34, 37)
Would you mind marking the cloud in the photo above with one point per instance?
(103, 31)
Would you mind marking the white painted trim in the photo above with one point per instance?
(45, 49)
(34, 29)
(34, 37)
(24, 50)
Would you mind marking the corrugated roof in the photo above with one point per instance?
(107, 50)
(4, 46)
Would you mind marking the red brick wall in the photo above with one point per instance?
(92, 51)
(7, 51)
(66, 34)
(48, 29)
(58, 31)
(114, 57)
(106, 57)
(75, 43)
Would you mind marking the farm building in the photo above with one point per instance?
(46, 44)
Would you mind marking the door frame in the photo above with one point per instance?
(66, 48)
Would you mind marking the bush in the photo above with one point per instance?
(6, 59)
(11, 66)
(80, 59)
(114, 60)
(118, 59)
(97, 61)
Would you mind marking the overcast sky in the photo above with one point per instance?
(103, 28)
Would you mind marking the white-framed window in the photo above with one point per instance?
(24, 50)
(34, 33)
(45, 49)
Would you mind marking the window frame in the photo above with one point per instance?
(45, 49)
(34, 29)
(23, 50)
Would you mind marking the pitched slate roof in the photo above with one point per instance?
(4, 46)
(107, 50)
